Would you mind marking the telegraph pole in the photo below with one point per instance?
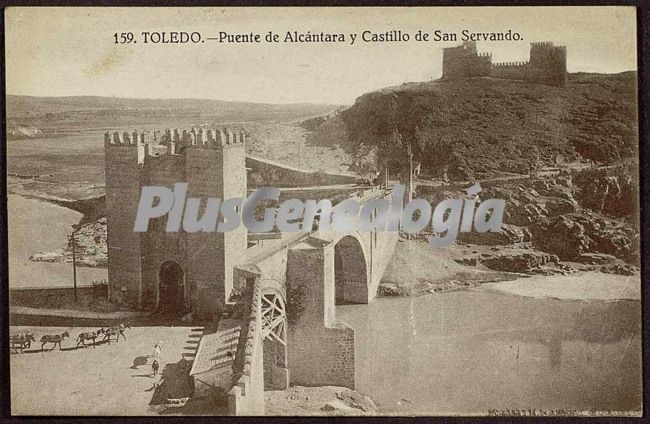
(409, 181)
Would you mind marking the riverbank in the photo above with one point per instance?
(40, 226)
(324, 400)
(583, 286)
(417, 269)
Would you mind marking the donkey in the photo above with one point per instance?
(22, 341)
(92, 335)
(116, 331)
(56, 339)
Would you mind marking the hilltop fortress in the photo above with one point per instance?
(547, 64)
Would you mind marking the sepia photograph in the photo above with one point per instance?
(323, 211)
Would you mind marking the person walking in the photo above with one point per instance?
(157, 348)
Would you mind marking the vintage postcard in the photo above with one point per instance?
(323, 211)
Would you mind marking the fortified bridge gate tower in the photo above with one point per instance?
(173, 272)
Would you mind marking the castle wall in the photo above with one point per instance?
(511, 70)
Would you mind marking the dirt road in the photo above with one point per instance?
(111, 379)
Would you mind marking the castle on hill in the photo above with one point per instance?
(547, 64)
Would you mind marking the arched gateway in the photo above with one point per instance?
(171, 288)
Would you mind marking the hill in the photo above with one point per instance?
(478, 127)
(100, 112)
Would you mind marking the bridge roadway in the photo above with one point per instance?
(285, 314)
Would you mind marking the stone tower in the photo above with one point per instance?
(172, 271)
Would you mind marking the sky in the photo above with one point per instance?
(72, 51)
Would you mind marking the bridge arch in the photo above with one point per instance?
(351, 270)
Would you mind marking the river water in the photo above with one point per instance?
(466, 352)
(37, 226)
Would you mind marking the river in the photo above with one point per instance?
(38, 226)
(466, 352)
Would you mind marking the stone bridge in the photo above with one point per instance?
(285, 326)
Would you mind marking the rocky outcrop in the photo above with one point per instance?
(526, 204)
(562, 236)
(595, 259)
(92, 250)
(610, 191)
(509, 234)
(572, 235)
(517, 260)
(620, 269)
(556, 206)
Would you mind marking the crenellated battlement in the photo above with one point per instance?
(201, 137)
(511, 64)
(547, 64)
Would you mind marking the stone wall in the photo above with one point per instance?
(246, 397)
(54, 295)
(267, 173)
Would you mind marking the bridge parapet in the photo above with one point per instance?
(246, 397)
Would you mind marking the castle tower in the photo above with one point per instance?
(123, 156)
(173, 271)
(215, 168)
(464, 61)
(549, 63)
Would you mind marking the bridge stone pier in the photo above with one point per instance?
(321, 349)
(290, 334)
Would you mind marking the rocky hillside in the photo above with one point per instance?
(588, 217)
(481, 126)
(580, 217)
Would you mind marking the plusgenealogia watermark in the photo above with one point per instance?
(448, 218)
